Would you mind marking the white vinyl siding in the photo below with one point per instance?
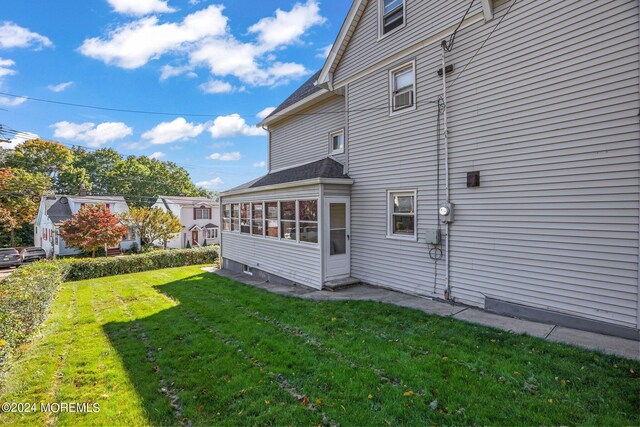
(424, 18)
(302, 138)
(548, 112)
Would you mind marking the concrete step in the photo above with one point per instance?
(337, 284)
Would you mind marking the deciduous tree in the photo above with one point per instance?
(92, 228)
(153, 224)
(20, 193)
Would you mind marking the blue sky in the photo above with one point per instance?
(223, 61)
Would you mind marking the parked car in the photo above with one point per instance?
(9, 257)
(33, 254)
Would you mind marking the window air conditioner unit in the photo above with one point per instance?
(402, 99)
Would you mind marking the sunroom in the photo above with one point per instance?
(290, 226)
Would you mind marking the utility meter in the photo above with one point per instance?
(446, 211)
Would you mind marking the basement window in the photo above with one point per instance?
(392, 15)
(247, 270)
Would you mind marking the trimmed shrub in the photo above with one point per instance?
(24, 300)
(91, 268)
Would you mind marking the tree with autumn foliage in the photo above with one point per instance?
(153, 224)
(20, 193)
(92, 228)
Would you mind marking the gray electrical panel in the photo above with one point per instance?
(433, 237)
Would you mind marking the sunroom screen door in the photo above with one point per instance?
(337, 237)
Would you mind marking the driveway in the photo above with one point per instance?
(4, 272)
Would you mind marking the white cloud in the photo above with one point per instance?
(216, 86)
(13, 35)
(226, 157)
(203, 39)
(265, 113)
(6, 68)
(60, 87)
(233, 125)
(89, 133)
(157, 155)
(14, 142)
(136, 43)
(287, 27)
(260, 164)
(177, 130)
(212, 184)
(5, 101)
(324, 51)
(140, 7)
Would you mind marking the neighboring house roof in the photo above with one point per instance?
(326, 168)
(57, 207)
(210, 226)
(59, 210)
(181, 200)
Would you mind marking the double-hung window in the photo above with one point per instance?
(257, 218)
(403, 88)
(271, 211)
(288, 220)
(392, 15)
(402, 214)
(245, 224)
(336, 141)
(308, 220)
(201, 213)
(226, 217)
(235, 217)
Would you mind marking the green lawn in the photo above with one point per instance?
(181, 346)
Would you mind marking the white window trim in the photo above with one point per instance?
(381, 34)
(392, 73)
(264, 220)
(390, 235)
(344, 141)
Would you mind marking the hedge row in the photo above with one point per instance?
(92, 268)
(24, 300)
(26, 294)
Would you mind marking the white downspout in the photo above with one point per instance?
(446, 168)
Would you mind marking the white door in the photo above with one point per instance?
(337, 237)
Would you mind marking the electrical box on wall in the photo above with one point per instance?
(473, 179)
(433, 237)
(446, 211)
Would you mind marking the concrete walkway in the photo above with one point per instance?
(590, 340)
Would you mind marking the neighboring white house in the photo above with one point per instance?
(510, 183)
(200, 218)
(56, 209)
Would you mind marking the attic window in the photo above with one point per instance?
(392, 15)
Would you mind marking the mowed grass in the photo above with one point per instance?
(182, 346)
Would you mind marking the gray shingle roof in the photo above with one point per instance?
(307, 88)
(325, 168)
(60, 210)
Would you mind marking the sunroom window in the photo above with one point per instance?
(402, 214)
(245, 224)
(257, 217)
(235, 217)
(226, 217)
(392, 15)
(308, 221)
(288, 220)
(271, 211)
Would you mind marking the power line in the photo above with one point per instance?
(483, 43)
(448, 46)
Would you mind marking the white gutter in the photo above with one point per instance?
(305, 102)
(306, 182)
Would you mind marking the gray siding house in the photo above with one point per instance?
(511, 184)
